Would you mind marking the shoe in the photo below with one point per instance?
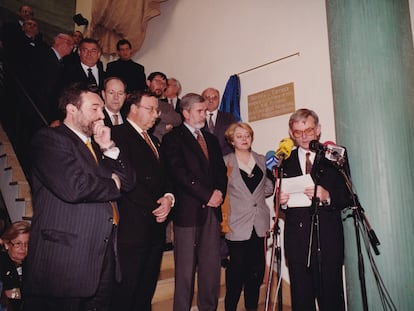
(168, 246)
(225, 262)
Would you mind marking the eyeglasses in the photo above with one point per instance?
(308, 132)
(112, 93)
(152, 110)
(19, 244)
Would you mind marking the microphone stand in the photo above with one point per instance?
(315, 218)
(276, 245)
(360, 220)
(359, 216)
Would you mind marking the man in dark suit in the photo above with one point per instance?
(198, 173)
(168, 119)
(47, 70)
(77, 173)
(114, 95)
(172, 92)
(88, 68)
(217, 121)
(143, 210)
(321, 279)
(131, 72)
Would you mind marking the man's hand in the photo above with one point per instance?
(216, 199)
(117, 181)
(321, 193)
(162, 211)
(102, 135)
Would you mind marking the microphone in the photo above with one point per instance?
(271, 160)
(284, 150)
(333, 152)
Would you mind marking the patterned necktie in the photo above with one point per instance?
(308, 164)
(115, 213)
(150, 144)
(210, 123)
(91, 77)
(116, 120)
(202, 143)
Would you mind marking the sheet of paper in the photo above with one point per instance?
(295, 186)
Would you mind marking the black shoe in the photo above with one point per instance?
(168, 246)
(225, 262)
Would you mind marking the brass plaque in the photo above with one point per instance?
(271, 103)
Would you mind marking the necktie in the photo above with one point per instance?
(210, 123)
(202, 143)
(91, 78)
(89, 145)
(170, 100)
(116, 120)
(115, 214)
(150, 144)
(308, 164)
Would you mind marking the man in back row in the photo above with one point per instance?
(125, 68)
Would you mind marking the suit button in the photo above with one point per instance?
(301, 224)
(255, 204)
(111, 219)
(106, 240)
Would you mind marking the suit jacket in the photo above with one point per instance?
(108, 121)
(193, 176)
(72, 219)
(177, 104)
(298, 220)
(223, 121)
(168, 116)
(131, 72)
(137, 223)
(247, 210)
(10, 279)
(73, 72)
(48, 69)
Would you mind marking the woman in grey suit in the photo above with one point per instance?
(248, 219)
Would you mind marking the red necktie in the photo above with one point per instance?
(202, 143)
(149, 143)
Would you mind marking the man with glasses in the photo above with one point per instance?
(314, 260)
(169, 118)
(114, 95)
(144, 210)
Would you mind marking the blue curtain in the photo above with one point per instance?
(231, 97)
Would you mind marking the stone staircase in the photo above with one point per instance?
(13, 183)
(164, 293)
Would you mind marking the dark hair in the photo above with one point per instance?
(157, 73)
(122, 42)
(189, 99)
(90, 40)
(134, 98)
(72, 94)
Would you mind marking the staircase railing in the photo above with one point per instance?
(19, 114)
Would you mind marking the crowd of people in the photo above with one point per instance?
(123, 158)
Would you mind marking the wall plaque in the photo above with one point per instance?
(271, 103)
